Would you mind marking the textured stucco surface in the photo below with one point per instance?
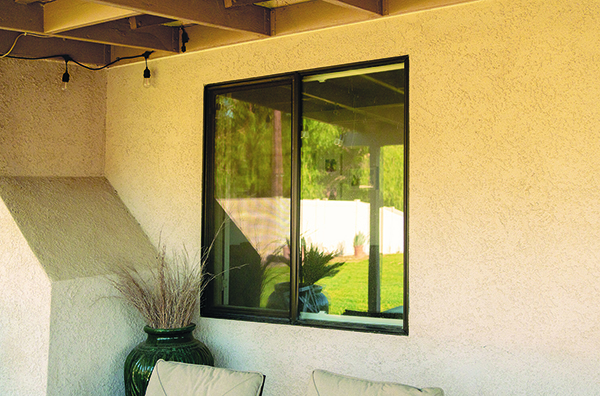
(64, 331)
(25, 314)
(45, 131)
(77, 227)
(504, 228)
(91, 333)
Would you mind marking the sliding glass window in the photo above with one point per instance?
(305, 197)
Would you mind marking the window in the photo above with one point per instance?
(305, 197)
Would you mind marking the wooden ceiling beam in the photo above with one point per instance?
(21, 17)
(63, 15)
(30, 19)
(204, 37)
(213, 13)
(119, 33)
(32, 1)
(143, 21)
(209, 23)
(303, 17)
(238, 3)
(32, 47)
(372, 6)
(405, 6)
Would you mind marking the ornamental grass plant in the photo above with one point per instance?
(167, 295)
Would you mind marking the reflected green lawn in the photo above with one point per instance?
(348, 289)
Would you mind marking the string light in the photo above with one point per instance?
(67, 58)
(184, 39)
(146, 55)
(65, 77)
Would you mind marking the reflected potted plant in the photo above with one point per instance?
(359, 241)
(316, 265)
(168, 298)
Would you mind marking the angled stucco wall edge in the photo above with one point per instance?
(83, 316)
(77, 226)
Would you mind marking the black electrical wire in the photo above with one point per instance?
(70, 59)
(35, 58)
(144, 55)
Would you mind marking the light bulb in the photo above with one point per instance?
(146, 78)
(65, 81)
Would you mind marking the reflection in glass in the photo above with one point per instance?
(352, 195)
(252, 183)
(331, 148)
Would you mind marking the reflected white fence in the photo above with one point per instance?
(331, 225)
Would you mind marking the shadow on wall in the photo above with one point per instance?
(76, 227)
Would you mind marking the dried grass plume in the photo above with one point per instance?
(167, 296)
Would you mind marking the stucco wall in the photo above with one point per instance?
(91, 333)
(504, 231)
(64, 331)
(24, 314)
(45, 131)
(76, 226)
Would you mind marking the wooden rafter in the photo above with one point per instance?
(119, 32)
(144, 21)
(32, 1)
(405, 6)
(30, 19)
(125, 26)
(63, 15)
(32, 47)
(238, 3)
(372, 6)
(21, 17)
(316, 15)
(207, 13)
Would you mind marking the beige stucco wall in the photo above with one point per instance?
(45, 131)
(62, 229)
(64, 331)
(76, 226)
(504, 230)
(91, 333)
(25, 291)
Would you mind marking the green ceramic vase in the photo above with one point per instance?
(177, 345)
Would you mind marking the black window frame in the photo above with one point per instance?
(208, 308)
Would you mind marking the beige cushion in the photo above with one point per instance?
(324, 383)
(183, 379)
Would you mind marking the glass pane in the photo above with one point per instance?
(252, 194)
(352, 196)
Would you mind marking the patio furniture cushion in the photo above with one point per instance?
(183, 379)
(325, 383)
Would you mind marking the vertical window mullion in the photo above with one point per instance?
(295, 254)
